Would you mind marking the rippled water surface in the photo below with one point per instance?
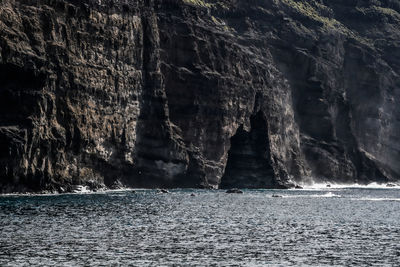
(344, 227)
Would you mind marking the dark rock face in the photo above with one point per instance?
(182, 93)
(70, 82)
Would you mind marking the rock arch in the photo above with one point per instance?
(249, 164)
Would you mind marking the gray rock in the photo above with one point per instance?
(117, 185)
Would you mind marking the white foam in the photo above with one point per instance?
(329, 186)
(326, 195)
(81, 189)
(329, 194)
(77, 191)
(28, 194)
(375, 199)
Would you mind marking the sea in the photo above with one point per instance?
(315, 226)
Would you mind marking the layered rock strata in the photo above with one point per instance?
(196, 93)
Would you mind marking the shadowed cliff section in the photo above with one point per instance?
(249, 162)
(198, 93)
(161, 155)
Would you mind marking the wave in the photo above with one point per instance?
(375, 199)
(326, 195)
(80, 190)
(329, 194)
(329, 186)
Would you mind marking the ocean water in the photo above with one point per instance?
(311, 227)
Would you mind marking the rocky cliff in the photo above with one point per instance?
(198, 93)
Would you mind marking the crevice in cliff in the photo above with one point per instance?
(18, 90)
(249, 164)
(19, 97)
(161, 156)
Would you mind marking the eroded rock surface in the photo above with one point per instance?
(184, 93)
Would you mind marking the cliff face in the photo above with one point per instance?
(195, 93)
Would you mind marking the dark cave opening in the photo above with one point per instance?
(18, 94)
(249, 163)
(20, 91)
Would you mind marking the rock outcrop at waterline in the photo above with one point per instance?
(198, 93)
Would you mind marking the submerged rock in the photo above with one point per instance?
(162, 191)
(234, 191)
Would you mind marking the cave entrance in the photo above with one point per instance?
(19, 94)
(248, 163)
(19, 99)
